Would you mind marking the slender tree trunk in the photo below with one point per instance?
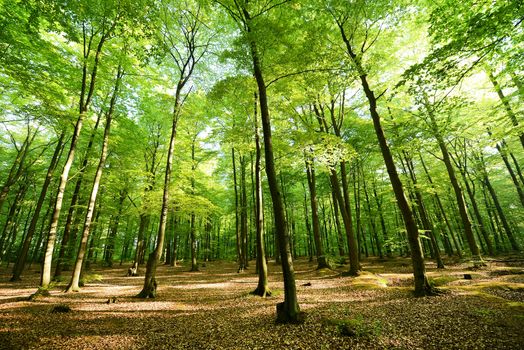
(466, 222)
(45, 278)
(441, 207)
(75, 279)
(422, 286)
(150, 284)
(372, 222)
(17, 169)
(478, 215)
(262, 287)
(505, 103)
(509, 232)
(503, 154)
(22, 255)
(289, 310)
(10, 223)
(240, 254)
(113, 229)
(243, 212)
(382, 222)
(424, 217)
(356, 194)
(321, 258)
(64, 246)
(354, 265)
(338, 228)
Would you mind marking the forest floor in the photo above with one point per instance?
(212, 309)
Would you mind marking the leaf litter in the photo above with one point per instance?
(213, 309)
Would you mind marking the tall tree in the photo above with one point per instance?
(247, 15)
(75, 279)
(96, 26)
(182, 37)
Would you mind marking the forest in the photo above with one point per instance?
(261, 174)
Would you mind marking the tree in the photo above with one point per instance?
(75, 279)
(246, 16)
(96, 25)
(350, 35)
(182, 36)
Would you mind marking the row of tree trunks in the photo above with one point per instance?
(75, 279)
(86, 94)
(23, 252)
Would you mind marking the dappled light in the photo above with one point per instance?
(261, 174)
(187, 313)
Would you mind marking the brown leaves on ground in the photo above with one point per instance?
(212, 309)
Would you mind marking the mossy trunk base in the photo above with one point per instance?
(261, 292)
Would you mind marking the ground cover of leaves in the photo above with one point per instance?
(212, 309)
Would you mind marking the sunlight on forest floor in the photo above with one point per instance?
(212, 309)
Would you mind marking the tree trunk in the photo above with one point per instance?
(75, 279)
(243, 213)
(321, 258)
(354, 266)
(194, 263)
(45, 278)
(371, 219)
(505, 103)
(502, 151)
(509, 232)
(424, 217)
(150, 284)
(64, 246)
(422, 286)
(289, 310)
(240, 254)
(262, 287)
(10, 223)
(113, 229)
(22, 255)
(17, 169)
(466, 222)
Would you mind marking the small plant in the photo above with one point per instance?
(41, 292)
(90, 278)
(357, 327)
(61, 309)
(482, 312)
(59, 279)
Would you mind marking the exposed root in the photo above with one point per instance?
(261, 292)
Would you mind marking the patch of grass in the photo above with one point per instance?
(88, 278)
(482, 312)
(276, 292)
(516, 304)
(369, 281)
(356, 327)
(442, 280)
(59, 279)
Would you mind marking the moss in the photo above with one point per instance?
(442, 280)
(88, 278)
(516, 304)
(368, 280)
